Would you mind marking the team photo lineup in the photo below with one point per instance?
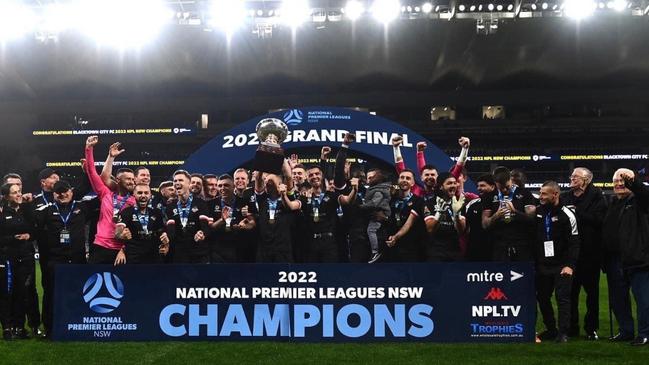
(333, 213)
(324, 181)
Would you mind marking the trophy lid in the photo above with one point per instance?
(271, 127)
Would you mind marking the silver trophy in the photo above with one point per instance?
(270, 155)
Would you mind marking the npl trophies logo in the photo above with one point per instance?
(110, 298)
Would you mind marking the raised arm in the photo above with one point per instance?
(396, 149)
(288, 174)
(291, 204)
(341, 158)
(107, 170)
(351, 197)
(95, 181)
(421, 158)
(456, 170)
(640, 191)
(259, 181)
(324, 156)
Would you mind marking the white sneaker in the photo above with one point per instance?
(375, 258)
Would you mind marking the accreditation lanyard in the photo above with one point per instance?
(64, 235)
(65, 219)
(144, 220)
(510, 197)
(272, 209)
(233, 207)
(400, 204)
(548, 227)
(183, 210)
(118, 204)
(315, 204)
(44, 197)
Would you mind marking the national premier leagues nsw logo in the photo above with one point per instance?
(293, 117)
(106, 300)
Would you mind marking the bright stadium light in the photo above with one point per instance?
(619, 5)
(386, 11)
(15, 20)
(294, 12)
(56, 18)
(461, 7)
(354, 9)
(490, 7)
(227, 15)
(427, 8)
(544, 6)
(579, 9)
(122, 23)
(472, 8)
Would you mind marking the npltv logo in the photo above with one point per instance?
(107, 301)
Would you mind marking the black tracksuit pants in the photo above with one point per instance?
(548, 281)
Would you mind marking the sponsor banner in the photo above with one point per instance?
(441, 302)
(140, 131)
(316, 127)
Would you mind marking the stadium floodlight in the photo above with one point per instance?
(510, 7)
(294, 12)
(461, 7)
(354, 9)
(16, 20)
(386, 11)
(472, 8)
(544, 6)
(227, 15)
(499, 7)
(490, 7)
(579, 9)
(427, 8)
(56, 18)
(619, 5)
(121, 23)
(533, 6)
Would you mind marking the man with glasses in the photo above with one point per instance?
(590, 207)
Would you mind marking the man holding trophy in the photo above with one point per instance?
(276, 202)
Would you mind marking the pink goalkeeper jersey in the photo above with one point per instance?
(105, 236)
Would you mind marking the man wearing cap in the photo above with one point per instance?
(63, 222)
(105, 247)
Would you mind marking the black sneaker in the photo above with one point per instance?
(621, 338)
(375, 258)
(592, 336)
(640, 341)
(20, 334)
(6, 335)
(561, 338)
(548, 335)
